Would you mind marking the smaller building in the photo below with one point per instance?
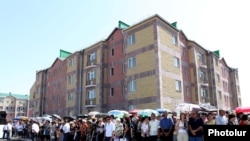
(14, 104)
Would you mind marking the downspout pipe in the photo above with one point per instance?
(80, 84)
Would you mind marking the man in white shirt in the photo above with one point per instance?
(34, 130)
(9, 129)
(221, 119)
(109, 129)
(66, 130)
(153, 128)
(5, 131)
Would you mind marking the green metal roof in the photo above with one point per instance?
(17, 96)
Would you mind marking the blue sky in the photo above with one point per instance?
(33, 31)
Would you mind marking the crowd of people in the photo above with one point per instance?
(186, 126)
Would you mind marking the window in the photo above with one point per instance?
(91, 75)
(201, 59)
(131, 62)
(216, 62)
(70, 96)
(187, 91)
(177, 85)
(54, 87)
(60, 71)
(219, 93)
(184, 51)
(174, 40)
(218, 77)
(71, 62)
(186, 71)
(132, 86)
(111, 71)
(176, 62)
(91, 94)
(70, 79)
(222, 70)
(203, 77)
(123, 89)
(225, 87)
(225, 98)
(111, 92)
(112, 52)
(55, 72)
(203, 92)
(92, 56)
(130, 40)
(124, 67)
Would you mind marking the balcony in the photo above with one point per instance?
(92, 63)
(204, 82)
(90, 102)
(203, 65)
(91, 83)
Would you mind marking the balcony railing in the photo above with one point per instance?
(91, 63)
(204, 81)
(90, 102)
(202, 64)
(91, 82)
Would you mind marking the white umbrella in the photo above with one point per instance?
(46, 115)
(93, 113)
(208, 107)
(56, 116)
(187, 107)
(47, 119)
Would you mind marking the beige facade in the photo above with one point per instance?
(169, 66)
(36, 107)
(93, 96)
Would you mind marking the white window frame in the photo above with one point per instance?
(92, 56)
(178, 85)
(91, 94)
(70, 96)
(131, 62)
(176, 62)
(204, 92)
(174, 40)
(130, 39)
(132, 86)
(71, 61)
(70, 79)
(91, 75)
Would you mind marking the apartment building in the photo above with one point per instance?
(150, 64)
(14, 105)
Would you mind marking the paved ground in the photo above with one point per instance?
(16, 139)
